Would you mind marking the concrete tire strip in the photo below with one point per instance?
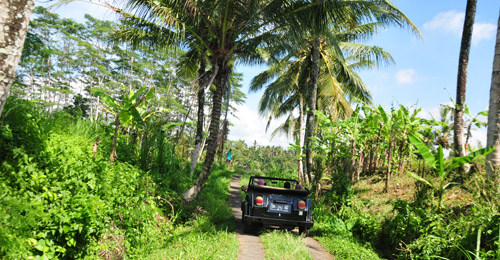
(250, 245)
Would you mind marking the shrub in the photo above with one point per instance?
(58, 199)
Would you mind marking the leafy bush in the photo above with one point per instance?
(60, 200)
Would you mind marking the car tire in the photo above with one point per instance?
(248, 228)
(304, 231)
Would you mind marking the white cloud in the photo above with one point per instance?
(406, 76)
(483, 31)
(453, 22)
(248, 126)
(478, 136)
(450, 21)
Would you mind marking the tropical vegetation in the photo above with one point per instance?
(112, 139)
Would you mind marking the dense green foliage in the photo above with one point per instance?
(272, 160)
(446, 215)
(62, 200)
(94, 141)
(210, 232)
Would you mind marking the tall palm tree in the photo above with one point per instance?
(232, 30)
(338, 83)
(318, 20)
(493, 135)
(13, 29)
(227, 29)
(463, 61)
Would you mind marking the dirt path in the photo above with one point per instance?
(251, 247)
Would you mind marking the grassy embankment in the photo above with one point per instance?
(60, 198)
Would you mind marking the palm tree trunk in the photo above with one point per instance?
(493, 135)
(300, 166)
(462, 77)
(313, 89)
(203, 83)
(225, 122)
(181, 131)
(220, 83)
(14, 21)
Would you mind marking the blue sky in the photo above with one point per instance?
(425, 73)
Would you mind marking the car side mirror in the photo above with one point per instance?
(244, 188)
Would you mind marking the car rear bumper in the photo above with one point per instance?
(276, 221)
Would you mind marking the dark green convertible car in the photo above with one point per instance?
(276, 202)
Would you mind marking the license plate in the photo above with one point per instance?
(279, 208)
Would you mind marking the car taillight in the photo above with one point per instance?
(259, 201)
(301, 204)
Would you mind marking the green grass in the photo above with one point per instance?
(211, 233)
(199, 241)
(284, 245)
(345, 248)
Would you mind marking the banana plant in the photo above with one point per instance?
(131, 111)
(441, 166)
(473, 121)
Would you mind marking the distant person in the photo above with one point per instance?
(298, 187)
(286, 185)
(247, 165)
(228, 156)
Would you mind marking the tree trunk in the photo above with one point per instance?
(302, 177)
(360, 164)
(377, 148)
(313, 89)
(200, 182)
(203, 83)
(225, 129)
(493, 134)
(389, 168)
(352, 167)
(467, 138)
(370, 162)
(181, 130)
(14, 21)
(112, 155)
(463, 61)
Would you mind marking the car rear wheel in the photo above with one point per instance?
(248, 228)
(304, 230)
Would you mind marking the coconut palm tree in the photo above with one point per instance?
(339, 84)
(14, 23)
(463, 61)
(231, 30)
(493, 135)
(226, 30)
(315, 21)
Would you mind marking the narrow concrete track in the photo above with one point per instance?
(251, 248)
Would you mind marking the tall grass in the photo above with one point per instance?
(210, 232)
(284, 245)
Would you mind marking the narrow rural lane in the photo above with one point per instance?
(251, 247)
